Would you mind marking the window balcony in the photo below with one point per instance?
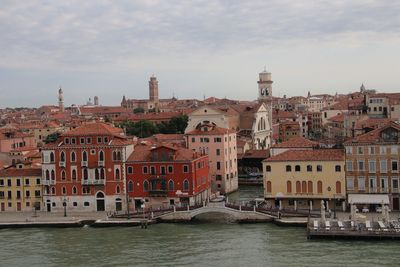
(48, 182)
(62, 164)
(84, 163)
(93, 182)
(101, 163)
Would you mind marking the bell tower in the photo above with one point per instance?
(153, 91)
(60, 100)
(265, 87)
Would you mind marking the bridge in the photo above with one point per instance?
(238, 213)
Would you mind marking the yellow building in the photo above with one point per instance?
(300, 179)
(20, 189)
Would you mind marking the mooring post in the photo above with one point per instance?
(174, 209)
(254, 208)
(240, 207)
(188, 209)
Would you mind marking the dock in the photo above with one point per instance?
(334, 229)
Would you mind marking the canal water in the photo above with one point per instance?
(201, 243)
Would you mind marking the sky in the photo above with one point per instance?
(196, 49)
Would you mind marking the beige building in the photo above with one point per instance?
(300, 179)
(20, 189)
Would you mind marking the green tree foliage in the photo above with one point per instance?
(145, 128)
(138, 110)
(52, 137)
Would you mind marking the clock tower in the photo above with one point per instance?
(265, 87)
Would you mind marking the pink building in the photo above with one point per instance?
(220, 145)
(12, 140)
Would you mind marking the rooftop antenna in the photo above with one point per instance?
(265, 68)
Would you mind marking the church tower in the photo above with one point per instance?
(153, 91)
(60, 100)
(265, 87)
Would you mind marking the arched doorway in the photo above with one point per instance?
(100, 205)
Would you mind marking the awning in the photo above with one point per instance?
(368, 198)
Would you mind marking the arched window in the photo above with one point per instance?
(101, 155)
(310, 187)
(297, 168)
(171, 185)
(298, 187)
(51, 157)
(145, 186)
(114, 155)
(304, 187)
(63, 175)
(102, 174)
(130, 170)
(269, 186)
(84, 156)
(73, 156)
(64, 190)
(74, 190)
(47, 175)
(117, 175)
(130, 186)
(289, 186)
(119, 155)
(53, 190)
(288, 168)
(73, 174)
(338, 187)
(99, 195)
(117, 190)
(85, 174)
(186, 185)
(319, 187)
(53, 175)
(62, 156)
(96, 174)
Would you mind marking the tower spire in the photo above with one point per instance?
(60, 99)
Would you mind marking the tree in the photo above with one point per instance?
(140, 129)
(52, 137)
(138, 110)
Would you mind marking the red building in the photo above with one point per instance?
(84, 169)
(166, 175)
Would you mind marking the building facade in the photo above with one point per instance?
(20, 189)
(372, 164)
(84, 169)
(161, 176)
(220, 146)
(300, 179)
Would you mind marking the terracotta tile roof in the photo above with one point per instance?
(296, 142)
(371, 123)
(94, 129)
(373, 136)
(309, 155)
(337, 118)
(12, 172)
(142, 152)
(259, 154)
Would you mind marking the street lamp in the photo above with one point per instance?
(65, 206)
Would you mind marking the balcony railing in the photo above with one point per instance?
(93, 182)
(158, 192)
(84, 163)
(61, 163)
(101, 163)
(48, 182)
(373, 190)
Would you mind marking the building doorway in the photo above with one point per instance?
(18, 206)
(118, 204)
(48, 205)
(396, 203)
(3, 207)
(100, 201)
